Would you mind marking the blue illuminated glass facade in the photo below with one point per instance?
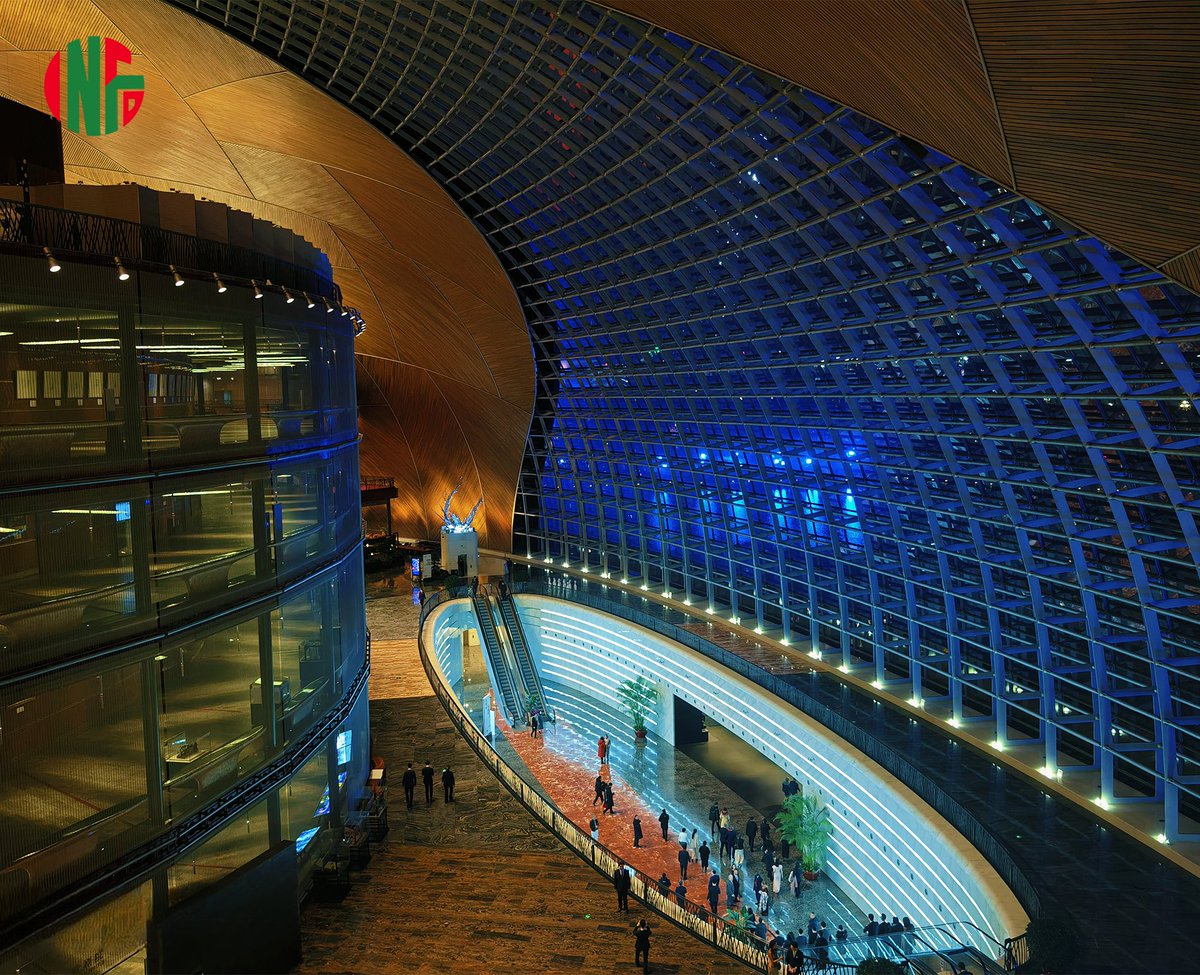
(798, 368)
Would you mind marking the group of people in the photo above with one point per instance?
(790, 952)
(884, 926)
(410, 784)
(604, 796)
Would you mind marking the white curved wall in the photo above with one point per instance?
(890, 852)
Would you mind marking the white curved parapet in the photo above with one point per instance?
(891, 851)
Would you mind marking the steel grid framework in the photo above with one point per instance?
(805, 371)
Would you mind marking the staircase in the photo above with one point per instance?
(490, 640)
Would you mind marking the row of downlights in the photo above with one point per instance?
(123, 275)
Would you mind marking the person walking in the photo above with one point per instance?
(594, 826)
(684, 859)
(739, 854)
(602, 750)
(622, 882)
(733, 888)
(725, 817)
(776, 878)
(764, 903)
(410, 785)
(692, 842)
(768, 858)
(785, 848)
(714, 818)
(751, 832)
(794, 879)
(608, 799)
(447, 785)
(714, 891)
(599, 785)
(427, 778)
(758, 886)
(532, 725)
(664, 885)
(641, 944)
(681, 895)
(637, 832)
(765, 831)
(704, 852)
(664, 821)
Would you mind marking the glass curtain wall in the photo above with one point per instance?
(173, 460)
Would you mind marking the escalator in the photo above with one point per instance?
(496, 664)
(520, 647)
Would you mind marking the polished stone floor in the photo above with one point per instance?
(652, 777)
(478, 886)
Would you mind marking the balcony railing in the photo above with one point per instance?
(28, 227)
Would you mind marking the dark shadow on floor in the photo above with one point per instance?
(754, 777)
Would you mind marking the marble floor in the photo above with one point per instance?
(647, 779)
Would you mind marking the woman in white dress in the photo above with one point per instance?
(776, 877)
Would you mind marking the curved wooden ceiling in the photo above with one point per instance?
(1090, 109)
(445, 368)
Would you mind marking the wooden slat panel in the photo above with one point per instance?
(1185, 269)
(427, 329)
(193, 57)
(1101, 110)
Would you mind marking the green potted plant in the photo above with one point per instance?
(807, 826)
(879, 966)
(739, 919)
(1053, 943)
(638, 696)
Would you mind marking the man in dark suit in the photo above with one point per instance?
(663, 821)
(622, 882)
(410, 785)
(427, 778)
(714, 891)
(637, 832)
(714, 817)
(448, 785)
(641, 944)
(751, 832)
(872, 927)
(684, 859)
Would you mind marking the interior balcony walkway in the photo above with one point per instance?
(1074, 862)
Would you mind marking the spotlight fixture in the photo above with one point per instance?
(122, 274)
(311, 303)
(328, 306)
(290, 297)
(257, 289)
(177, 276)
(221, 289)
(54, 265)
(344, 312)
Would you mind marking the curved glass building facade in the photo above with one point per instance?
(799, 368)
(179, 529)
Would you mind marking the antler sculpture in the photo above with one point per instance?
(450, 521)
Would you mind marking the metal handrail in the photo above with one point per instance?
(689, 915)
(70, 232)
(895, 763)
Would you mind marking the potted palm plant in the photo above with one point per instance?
(807, 826)
(638, 696)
